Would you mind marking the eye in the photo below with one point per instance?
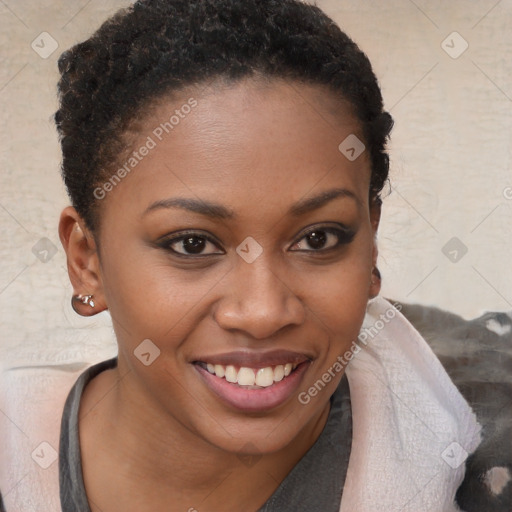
(190, 244)
(324, 238)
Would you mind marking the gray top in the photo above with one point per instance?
(315, 483)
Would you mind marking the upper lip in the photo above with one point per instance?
(254, 359)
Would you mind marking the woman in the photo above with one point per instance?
(225, 161)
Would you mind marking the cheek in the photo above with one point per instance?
(154, 300)
(339, 306)
(338, 310)
(338, 293)
(341, 302)
(151, 301)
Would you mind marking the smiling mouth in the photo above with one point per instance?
(250, 378)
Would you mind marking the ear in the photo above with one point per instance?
(83, 262)
(375, 283)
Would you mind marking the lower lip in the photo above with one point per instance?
(254, 400)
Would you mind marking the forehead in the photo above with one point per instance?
(246, 143)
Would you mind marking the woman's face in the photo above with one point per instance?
(242, 238)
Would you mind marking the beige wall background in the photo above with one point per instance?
(445, 238)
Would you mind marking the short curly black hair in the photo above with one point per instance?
(156, 47)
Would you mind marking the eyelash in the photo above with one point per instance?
(344, 236)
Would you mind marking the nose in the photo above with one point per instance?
(258, 301)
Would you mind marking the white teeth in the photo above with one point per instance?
(219, 370)
(265, 377)
(279, 373)
(245, 377)
(231, 374)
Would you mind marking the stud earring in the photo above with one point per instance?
(82, 299)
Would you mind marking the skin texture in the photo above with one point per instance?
(156, 437)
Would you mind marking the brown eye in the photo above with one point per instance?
(317, 239)
(323, 239)
(192, 244)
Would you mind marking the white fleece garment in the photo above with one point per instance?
(412, 429)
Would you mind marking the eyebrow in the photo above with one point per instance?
(218, 211)
(313, 203)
